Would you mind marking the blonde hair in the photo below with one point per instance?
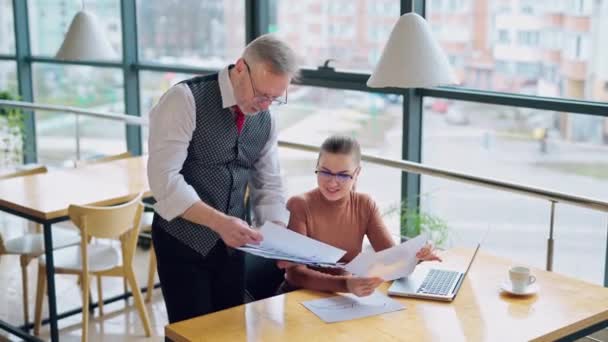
(342, 144)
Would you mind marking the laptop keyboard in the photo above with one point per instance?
(438, 282)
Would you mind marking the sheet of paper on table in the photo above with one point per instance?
(348, 306)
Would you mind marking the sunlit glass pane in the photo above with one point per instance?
(552, 150)
(7, 42)
(203, 33)
(545, 48)
(49, 21)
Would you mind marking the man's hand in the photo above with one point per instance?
(236, 232)
(362, 287)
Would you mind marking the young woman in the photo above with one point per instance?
(337, 215)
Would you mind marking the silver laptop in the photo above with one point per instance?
(437, 284)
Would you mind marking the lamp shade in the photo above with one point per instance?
(85, 40)
(412, 58)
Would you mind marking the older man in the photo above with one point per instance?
(210, 137)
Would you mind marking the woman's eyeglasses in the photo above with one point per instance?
(340, 177)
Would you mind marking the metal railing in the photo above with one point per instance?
(553, 197)
(128, 119)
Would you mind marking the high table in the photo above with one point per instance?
(45, 198)
(564, 309)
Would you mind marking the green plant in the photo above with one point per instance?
(414, 221)
(12, 133)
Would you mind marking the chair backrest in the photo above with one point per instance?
(26, 172)
(107, 222)
(80, 163)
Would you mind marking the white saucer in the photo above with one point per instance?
(531, 289)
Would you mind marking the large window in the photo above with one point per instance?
(565, 38)
(49, 21)
(196, 33)
(7, 43)
(558, 151)
(352, 33)
(99, 89)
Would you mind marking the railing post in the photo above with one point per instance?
(550, 239)
(606, 262)
(77, 137)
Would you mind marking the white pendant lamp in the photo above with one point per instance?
(85, 40)
(412, 58)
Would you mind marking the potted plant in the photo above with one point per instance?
(11, 133)
(414, 221)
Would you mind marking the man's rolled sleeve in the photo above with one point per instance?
(172, 122)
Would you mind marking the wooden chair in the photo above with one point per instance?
(80, 163)
(120, 222)
(85, 162)
(31, 245)
(147, 227)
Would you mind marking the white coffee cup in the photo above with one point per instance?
(520, 278)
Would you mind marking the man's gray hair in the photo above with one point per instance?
(275, 53)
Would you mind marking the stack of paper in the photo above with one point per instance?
(283, 244)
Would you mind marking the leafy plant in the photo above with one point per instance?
(12, 133)
(414, 221)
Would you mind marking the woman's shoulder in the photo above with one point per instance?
(363, 199)
(301, 201)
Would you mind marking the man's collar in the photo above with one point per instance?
(226, 89)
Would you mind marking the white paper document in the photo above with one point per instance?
(283, 244)
(348, 306)
(389, 264)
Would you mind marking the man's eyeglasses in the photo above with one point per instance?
(340, 177)
(261, 99)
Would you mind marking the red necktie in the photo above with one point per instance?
(239, 119)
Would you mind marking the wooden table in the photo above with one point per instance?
(45, 198)
(564, 308)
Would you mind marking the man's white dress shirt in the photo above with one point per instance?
(172, 122)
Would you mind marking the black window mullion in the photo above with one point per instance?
(411, 144)
(130, 73)
(24, 76)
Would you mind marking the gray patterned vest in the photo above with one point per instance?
(219, 161)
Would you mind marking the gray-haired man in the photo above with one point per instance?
(210, 137)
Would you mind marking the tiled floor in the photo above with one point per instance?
(120, 321)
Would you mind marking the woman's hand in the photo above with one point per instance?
(427, 253)
(362, 287)
(284, 265)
